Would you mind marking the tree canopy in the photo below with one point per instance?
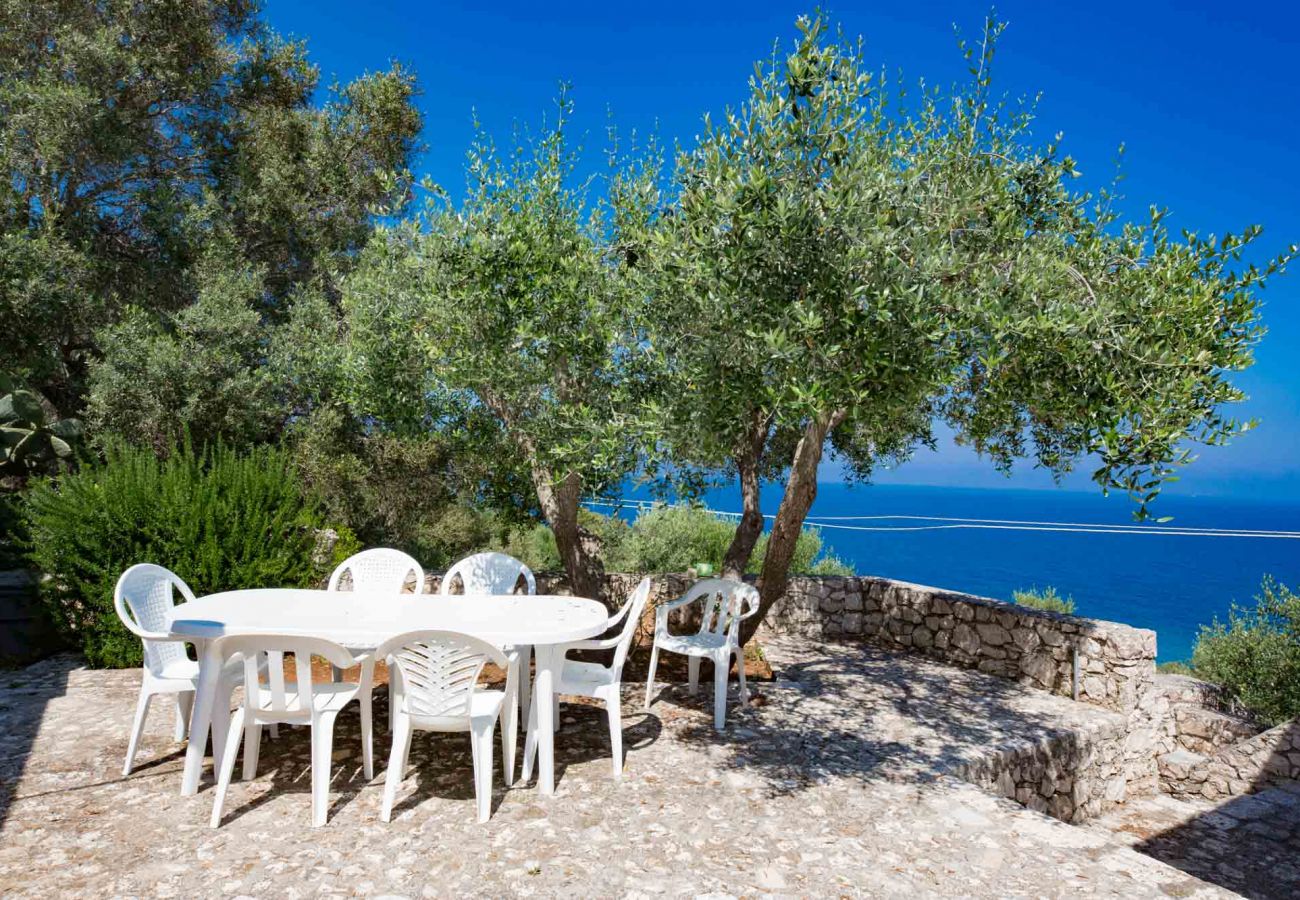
(509, 308)
(830, 266)
(140, 142)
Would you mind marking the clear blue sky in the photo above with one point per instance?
(1205, 96)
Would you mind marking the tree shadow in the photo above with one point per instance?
(1249, 843)
(24, 695)
(441, 764)
(853, 711)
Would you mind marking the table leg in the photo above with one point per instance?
(544, 704)
(204, 697)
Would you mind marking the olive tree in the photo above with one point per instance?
(831, 269)
(506, 309)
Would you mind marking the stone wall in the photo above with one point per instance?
(1072, 776)
(1242, 768)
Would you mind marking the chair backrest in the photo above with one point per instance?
(254, 647)
(437, 671)
(633, 609)
(145, 600)
(725, 603)
(381, 570)
(489, 573)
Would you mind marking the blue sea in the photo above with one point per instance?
(1167, 582)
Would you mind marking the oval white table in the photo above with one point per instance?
(362, 621)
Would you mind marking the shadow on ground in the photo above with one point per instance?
(859, 712)
(1249, 844)
(22, 709)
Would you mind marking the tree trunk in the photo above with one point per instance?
(748, 462)
(751, 518)
(579, 549)
(800, 492)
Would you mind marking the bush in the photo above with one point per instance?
(1256, 655)
(1175, 667)
(667, 539)
(1047, 599)
(219, 519)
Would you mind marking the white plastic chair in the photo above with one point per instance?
(435, 679)
(594, 680)
(299, 702)
(145, 602)
(726, 604)
(380, 570)
(497, 573)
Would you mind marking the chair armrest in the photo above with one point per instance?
(604, 644)
(673, 604)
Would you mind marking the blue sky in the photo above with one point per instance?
(1204, 96)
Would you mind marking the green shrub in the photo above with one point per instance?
(1047, 599)
(1256, 655)
(1175, 667)
(666, 539)
(220, 519)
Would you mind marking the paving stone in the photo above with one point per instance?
(838, 780)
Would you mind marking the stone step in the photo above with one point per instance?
(1207, 731)
(1177, 764)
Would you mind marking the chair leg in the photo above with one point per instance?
(252, 748)
(220, 727)
(650, 676)
(740, 668)
(613, 710)
(693, 675)
(555, 718)
(482, 737)
(720, 672)
(396, 765)
(137, 728)
(367, 736)
(322, 748)
(226, 766)
(184, 706)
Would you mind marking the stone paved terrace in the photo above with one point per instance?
(839, 780)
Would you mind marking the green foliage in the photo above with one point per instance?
(1047, 599)
(134, 135)
(221, 520)
(407, 493)
(30, 439)
(666, 539)
(1176, 667)
(1256, 654)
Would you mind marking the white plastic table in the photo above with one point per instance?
(362, 621)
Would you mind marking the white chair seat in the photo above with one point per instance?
(692, 643)
(584, 679)
(328, 696)
(482, 705)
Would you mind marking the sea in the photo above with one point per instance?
(1168, 581)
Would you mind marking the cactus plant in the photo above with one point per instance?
(29, 438)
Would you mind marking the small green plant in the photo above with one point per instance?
(31, 440)
(1255, 656)
(1176, 667)
(220, 519)
(1047, 599)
